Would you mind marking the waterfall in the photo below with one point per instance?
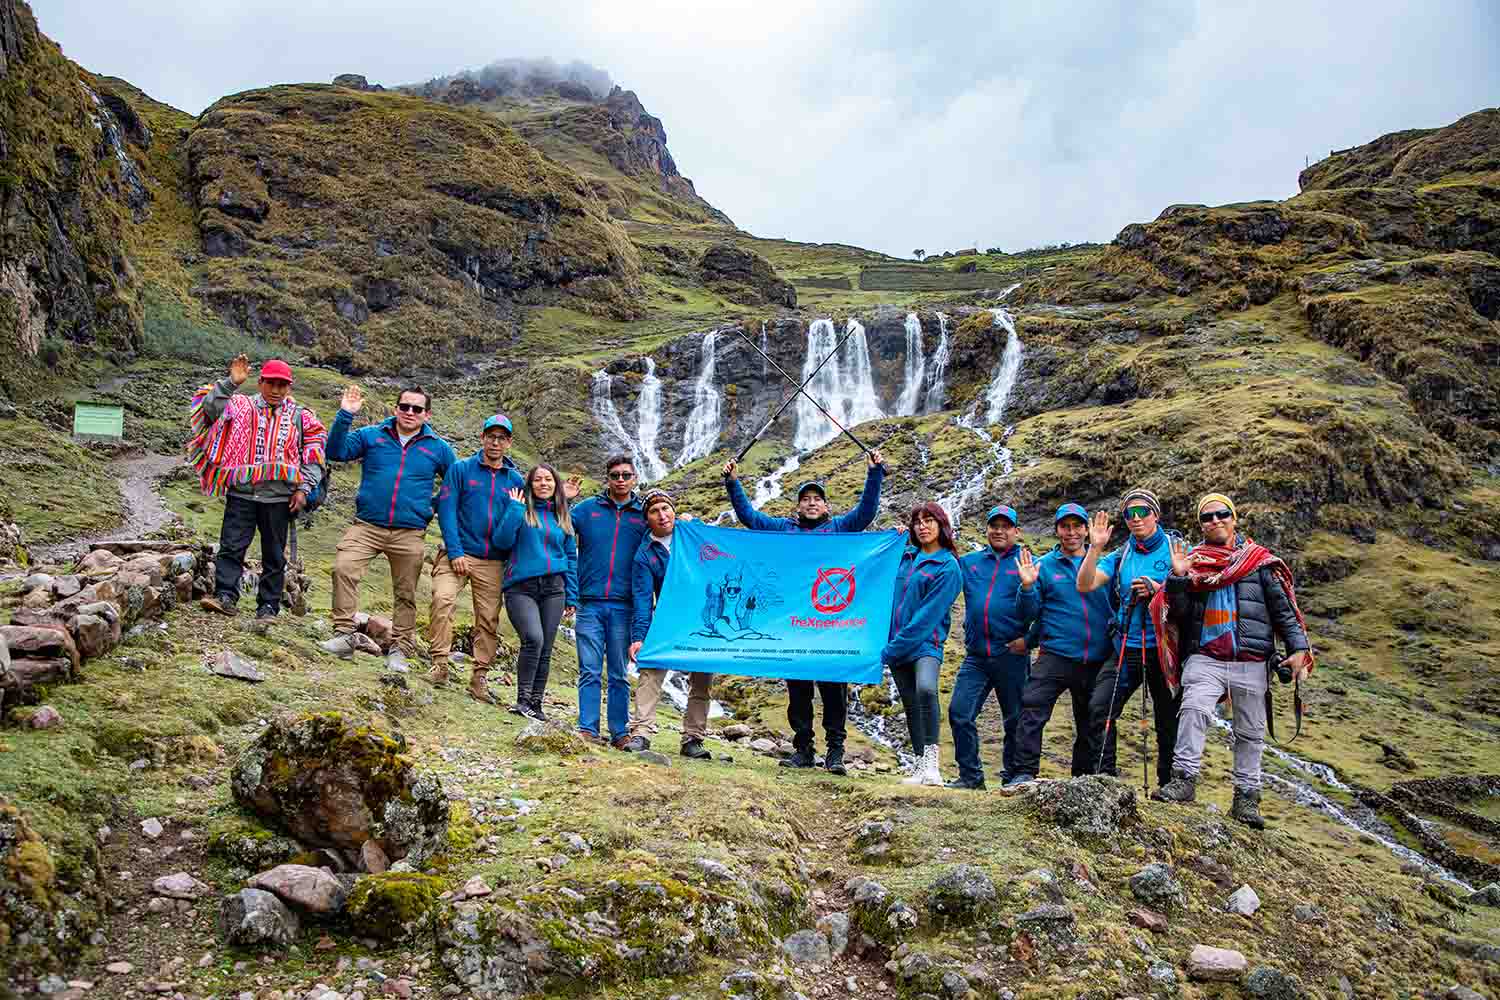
(936, 390)
(916, 369)
(616, 437)
(648, 424)
(703, 426)
(845, 386)
(765, 366)
(968, 489)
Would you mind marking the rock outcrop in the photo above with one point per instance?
(331, 783)
(745, 276)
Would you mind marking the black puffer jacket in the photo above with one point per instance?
(1264, 613)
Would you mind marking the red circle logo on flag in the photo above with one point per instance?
(833, 590)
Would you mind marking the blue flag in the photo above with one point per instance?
(803, 605)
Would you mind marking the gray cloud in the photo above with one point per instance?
(891, 125)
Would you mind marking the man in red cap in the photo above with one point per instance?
(266, 453)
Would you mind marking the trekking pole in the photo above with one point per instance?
(858, 443)
(1109, 717)
(1145, 688)
(793, 395)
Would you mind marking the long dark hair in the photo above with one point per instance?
(558, 504)
(935, 511)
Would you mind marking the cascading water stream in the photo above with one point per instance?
(768, 487)
(616, 437)
(648, 423)
(704, 422)
(936, 390)
(916, 369)
(993, 405)
(845, 385)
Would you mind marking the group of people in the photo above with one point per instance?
(1193, 624)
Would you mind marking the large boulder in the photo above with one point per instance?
(254, 917)
(40, 642)
(310, 889)
(331, 783)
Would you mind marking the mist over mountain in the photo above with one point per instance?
(527, 77)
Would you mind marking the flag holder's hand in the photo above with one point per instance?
(730, 468)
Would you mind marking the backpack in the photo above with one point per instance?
(319, 493)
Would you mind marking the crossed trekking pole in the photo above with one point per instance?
(801, 388)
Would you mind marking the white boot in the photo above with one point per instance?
(930, 773)
(918, 770)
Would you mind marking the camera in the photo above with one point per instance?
(1284, 674)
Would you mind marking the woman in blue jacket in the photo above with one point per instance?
(541, 581)
(927, 584)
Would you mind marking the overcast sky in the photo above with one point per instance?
(889, 125)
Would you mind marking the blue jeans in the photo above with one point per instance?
(603, 629)
(978, 675)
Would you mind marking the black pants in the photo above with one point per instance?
(1110, 688)
(535, 607)
(917, 681)
(1051, 675)
(799, 711)
(242, 518)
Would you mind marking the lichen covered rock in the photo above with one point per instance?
(330, 783)
(254, 917)
(962, 895)
(392, 905)
(42, 926)
(1092, 805)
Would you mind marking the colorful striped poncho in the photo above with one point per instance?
(252, 442)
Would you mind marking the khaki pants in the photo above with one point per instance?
(648, 694)
(484, 579)
(404, 550)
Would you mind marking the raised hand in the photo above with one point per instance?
(730, 467)
(519, 496)
(1182, 559)
(1100, 529)
(874, 458)
(352, 399)
(1027, 569)
(572, 486)
(239, 369)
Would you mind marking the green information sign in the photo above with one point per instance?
(97, 420)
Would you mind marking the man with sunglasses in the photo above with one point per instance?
(400, 459)
(1229, 600)
(266, 453)
(1132, 574)
(470, 507)
(609, 528)
(813, 514)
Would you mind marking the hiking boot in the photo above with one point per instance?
(695, 750)
(834, 761)
(801, 757)
(438, 675)
(220, 605)
(974, 785)
(632, 744)
(395, 661)
(1246, 808)
(266, 614)
(1182, 788)
(340, 645)
(932, 775)
(1017, 783)
(479, 688)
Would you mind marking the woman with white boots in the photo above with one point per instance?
(926, 587)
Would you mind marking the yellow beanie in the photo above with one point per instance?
(1209, 498)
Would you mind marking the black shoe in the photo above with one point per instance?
(266, 614)
(834, 761)
(973, 786)
(1246, 808)
(695, 750)
(533, 710)
(517, 710)
(632, 744)
(800, 758)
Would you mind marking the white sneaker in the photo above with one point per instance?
(395, 661)
(917, 771)
(340, 645)
(930, 773)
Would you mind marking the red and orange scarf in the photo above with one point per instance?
(1216, 566)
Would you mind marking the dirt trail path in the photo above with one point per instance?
(145, 511)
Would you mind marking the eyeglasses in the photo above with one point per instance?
(621, 477)
(1210, 516)
(411, 407)
(1137, 513)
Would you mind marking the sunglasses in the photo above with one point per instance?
(621, 477)
(1210, 516)
(1137, 513)
(411, 407)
